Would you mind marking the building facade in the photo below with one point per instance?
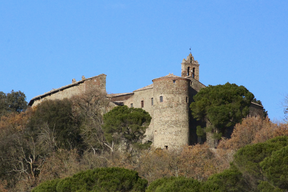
(167, 100)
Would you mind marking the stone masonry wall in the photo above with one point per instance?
(97, 82)
(171, 119)
(145, 96)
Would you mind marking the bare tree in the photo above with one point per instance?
(91, 106)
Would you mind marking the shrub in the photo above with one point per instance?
(100, 179)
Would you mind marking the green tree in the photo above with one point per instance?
(47, 186)
(3, 103)
(126, 126)
(63, 125)
(249, 160)
(12, 102)
(99, 179)
(21, 155)
(174, 184)
(229, 180)
(16, 101)
(275, 168)
(221, 107)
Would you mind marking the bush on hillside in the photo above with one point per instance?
(229, 180)
(100, 179)
(174, 184)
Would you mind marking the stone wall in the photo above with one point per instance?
(190, 67)
(145, 96)
(255, 109)
(98, 82)
(171, 118)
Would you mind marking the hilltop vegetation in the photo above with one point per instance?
(258, 167)
(58, 139)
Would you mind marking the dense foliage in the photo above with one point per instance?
(221, 107)
(174, 184)
(59, 139)
(100, 179)
(126, 125)
(12, 102)
(57, 118)
(264, 162)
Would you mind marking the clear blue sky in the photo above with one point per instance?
(45, 44)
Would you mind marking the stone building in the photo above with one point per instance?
(75, 88)
(167, 100)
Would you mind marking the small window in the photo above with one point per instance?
(151, 101)
(161, 98)
(187, 100)
(142, 104)
(131, 105)
(174, 81)
(188, 71)
(166, 147)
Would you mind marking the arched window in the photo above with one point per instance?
(142, 103)
(193, 73)
(161, 98)
(188, 71)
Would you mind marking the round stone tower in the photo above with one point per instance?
(171, 111)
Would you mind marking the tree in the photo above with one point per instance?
(221, 107)
(286, 109)
(250, 130)
(90, 107)
(16, 101)
(248, 161)
(123, 125)
(3, 103)
(62, 123)
(99, 179)
(275, 168)
(21, 154)
(229, 180)
(12, 102)
(174, 184)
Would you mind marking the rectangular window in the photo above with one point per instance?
(142, 104)
(161, 98)
(131, 105)
(151, 101)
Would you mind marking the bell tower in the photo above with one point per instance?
(190, 68)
